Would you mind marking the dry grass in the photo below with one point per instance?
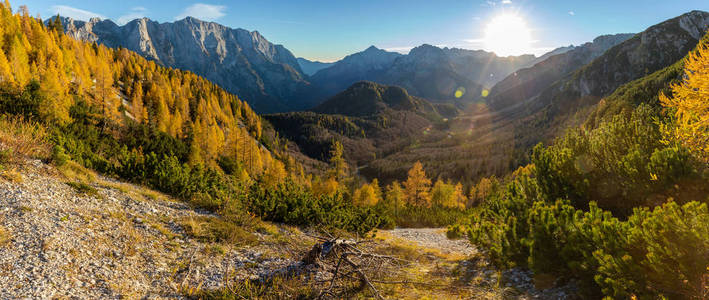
(83, 188)
(20, 139)
(5, 236)
(75, 172)
(133, 239)
(216, 229)
(11, 175)
(432, 274)
(136, 192)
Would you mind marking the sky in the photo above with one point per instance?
(327, 30)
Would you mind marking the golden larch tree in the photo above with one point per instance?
(417, 186)
(690, 102)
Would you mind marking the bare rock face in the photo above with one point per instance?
(267, 76)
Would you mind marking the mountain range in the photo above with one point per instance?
(539, 103)
(531, 99)
(558, 90)
(243, 62)
(271, 79)
(434, 73)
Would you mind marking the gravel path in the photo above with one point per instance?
(434, 238)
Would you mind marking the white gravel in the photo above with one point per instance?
(434, 238)
(64, 244)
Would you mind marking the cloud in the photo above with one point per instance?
(572, 13)
(493, 3)
(74, 13)
(203, 11)
(135, 13)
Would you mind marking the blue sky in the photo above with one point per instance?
(328, 30)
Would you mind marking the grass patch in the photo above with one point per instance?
(83, 188)
(5, 236)
(215, 229)
(276, 288)
(11, 175)
(75, 172)
(21, 138)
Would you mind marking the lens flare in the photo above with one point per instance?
(507, 35)
(460, 92)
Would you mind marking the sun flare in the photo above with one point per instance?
(508, 34)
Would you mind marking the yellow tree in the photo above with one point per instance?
(274, 174)
(55, 107)
(19, 61)
(459, 199)
(377, 189)
(327, 187)
(137, 108)
(417, 186)
(479, 192)
(365, 196)
(395, 197)
(5, 71)
(690, 100)
(338, 164)
(446, 194)
(104, 95)
(441, 193)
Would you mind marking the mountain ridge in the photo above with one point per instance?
(426, 71)
(244, 62)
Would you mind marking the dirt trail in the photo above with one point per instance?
(434, 238)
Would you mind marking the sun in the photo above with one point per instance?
(507, 35)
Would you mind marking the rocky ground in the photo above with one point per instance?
(434, 238)
(117, 241)
(113, 240)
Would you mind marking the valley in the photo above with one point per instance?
(188, 159)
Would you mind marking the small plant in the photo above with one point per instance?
(11, 175)
(59, 156)
(5, 156)
(215, 229)
(83, 188)
(458, 231)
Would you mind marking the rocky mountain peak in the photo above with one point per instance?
(243, 62)
(693, 22)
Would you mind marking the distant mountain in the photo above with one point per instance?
(484, 142)
(365, 65)
(371, 120)
(526, 83)
(557, 51)
(545, 111)
(310, 67)
(427, 71)
(366, 98)
(483, 67)
(265, 75)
